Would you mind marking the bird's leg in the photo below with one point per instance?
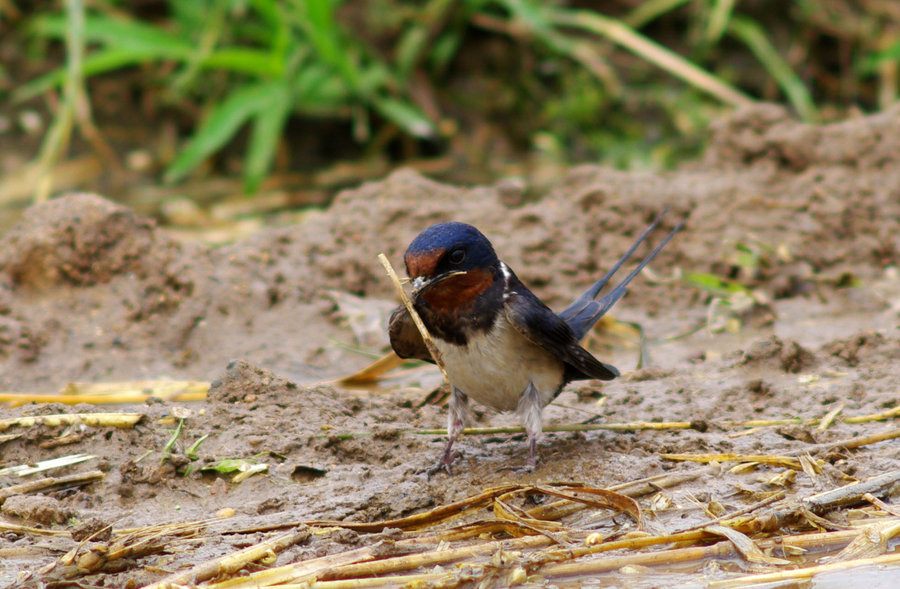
(530, 409)
(456, 421)
(532, 454)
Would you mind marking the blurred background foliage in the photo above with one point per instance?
(173, 105)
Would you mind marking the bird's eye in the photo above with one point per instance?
(457, 256)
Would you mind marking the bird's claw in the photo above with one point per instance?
(445, 463)
(533, 459)
(438, 468)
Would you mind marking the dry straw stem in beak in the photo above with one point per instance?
(426, 337)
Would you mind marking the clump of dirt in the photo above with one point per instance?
(36, 509)
(81, 240)
(807, 218)
(789, 356)
(248, 383)
(871, 346)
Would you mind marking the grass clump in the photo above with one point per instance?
(634, 86)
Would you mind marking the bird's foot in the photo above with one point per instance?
(440, 466)
(529, 467)
(533, 459)
(444, 464)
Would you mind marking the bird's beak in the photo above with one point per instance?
(420, 284)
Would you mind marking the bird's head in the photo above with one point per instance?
(451, 264)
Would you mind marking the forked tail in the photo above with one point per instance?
(582, 314)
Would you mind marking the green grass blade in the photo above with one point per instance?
(405, 115)
(192, 451)
(318, 15)
(444, 49)
(578, 50)
(410, 47)
(125, 43)
(650, 10)
(73, 108)
(99, 62)
(245, 60)
(219, 127)
(172, 439)
(267, 129)
(318, 88)
(317, 19)
(869, 64)
(653, 52)
(718, 20)
(270, 12)
(714, 284)
(752, 34)
(276, 24)
(416, 42)
(529, 12)
(227, 465)
(374, 78)
(120, 33)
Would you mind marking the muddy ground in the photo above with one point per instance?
(808, 218)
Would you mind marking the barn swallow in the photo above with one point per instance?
(500, 345)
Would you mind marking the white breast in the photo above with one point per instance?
(495, 367)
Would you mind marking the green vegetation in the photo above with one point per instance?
(629, 87)
(734, 298)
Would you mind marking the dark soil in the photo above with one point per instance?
(90, 291)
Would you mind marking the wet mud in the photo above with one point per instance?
(806, 218)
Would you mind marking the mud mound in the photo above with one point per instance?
(788, 356)
(82, 240)
(766, 135)
(244, 382)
